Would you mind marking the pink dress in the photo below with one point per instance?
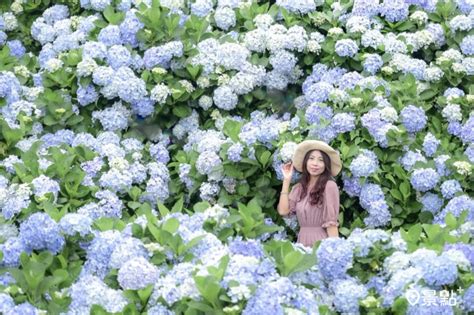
(314, 220)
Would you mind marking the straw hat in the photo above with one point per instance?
(309, 145)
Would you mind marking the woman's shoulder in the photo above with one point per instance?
(331, 184)
(297, 186)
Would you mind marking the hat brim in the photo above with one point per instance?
(309, 145)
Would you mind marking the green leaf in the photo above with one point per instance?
(264, 158)
(178, 206)
(162, 209)
(201, 206)
(171, 225)
(232, 129)
(450, 220)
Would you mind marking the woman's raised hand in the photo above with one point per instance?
(287, 170)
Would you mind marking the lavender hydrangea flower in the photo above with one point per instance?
(365, 164)
(39, 232)
(343, 122)
(467, 45)
(347, 293)
(137, 273)
(234, 152)
(424, 179)
(430, 144)
(225, 98)
(372, 63)
(225, 18)
(346, 48)
(449, 188)
(413, 118)
(12, 249)
(456, 206)
(440, 271)
(467, 299)
(431, 202)
(73, 223)
(334, 258)
(394, 10)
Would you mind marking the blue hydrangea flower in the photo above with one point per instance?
(137, 273)
(302, 7)
(424, 179)
(449, 188)
(430, 144)
(283, 61)
(379, 214)
(351, 185)
(466, 249)
(334, 258)
(6, 303)
(365, 164)
(73, 223)
(89, 290)
(55, 13)
(318, 92)
(16, 48)
(409, 159)
(99, 5)
(225, 98)
(367, 8)
(468, 299)
(431, 202)
(346, 48)
(316, 113)
(370, 193)
(343, 122)
(467, 45)
(394, 10)
(372, 63)
(99, 252)
(413, 118)
(12, 250)
(439, 271)
(467, 131)
(347, 294)
(40, 232)
(246, 248)
(234, 152)
(86, 95)
(118, 56)
(225, 18)
(440, 162)
(456, 206)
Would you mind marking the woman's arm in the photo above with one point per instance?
(331, 210)
(332, 231)
(284, 203)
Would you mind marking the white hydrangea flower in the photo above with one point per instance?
(10, 21)
(463, 167)
(419, 17)
(160, 93)
(86, 67)
(53, 64)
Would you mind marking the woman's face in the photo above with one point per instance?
(315, 164)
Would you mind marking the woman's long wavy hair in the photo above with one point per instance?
(316, 195)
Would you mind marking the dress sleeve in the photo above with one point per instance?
(331, 208)
(293, 198)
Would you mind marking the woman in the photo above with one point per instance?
(315, 198)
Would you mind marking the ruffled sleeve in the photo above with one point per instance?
(293, 197)
(331, 205)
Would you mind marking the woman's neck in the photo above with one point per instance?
(312, 181)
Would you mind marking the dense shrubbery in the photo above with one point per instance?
(142, 142)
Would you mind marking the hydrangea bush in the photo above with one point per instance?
(142, 141)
